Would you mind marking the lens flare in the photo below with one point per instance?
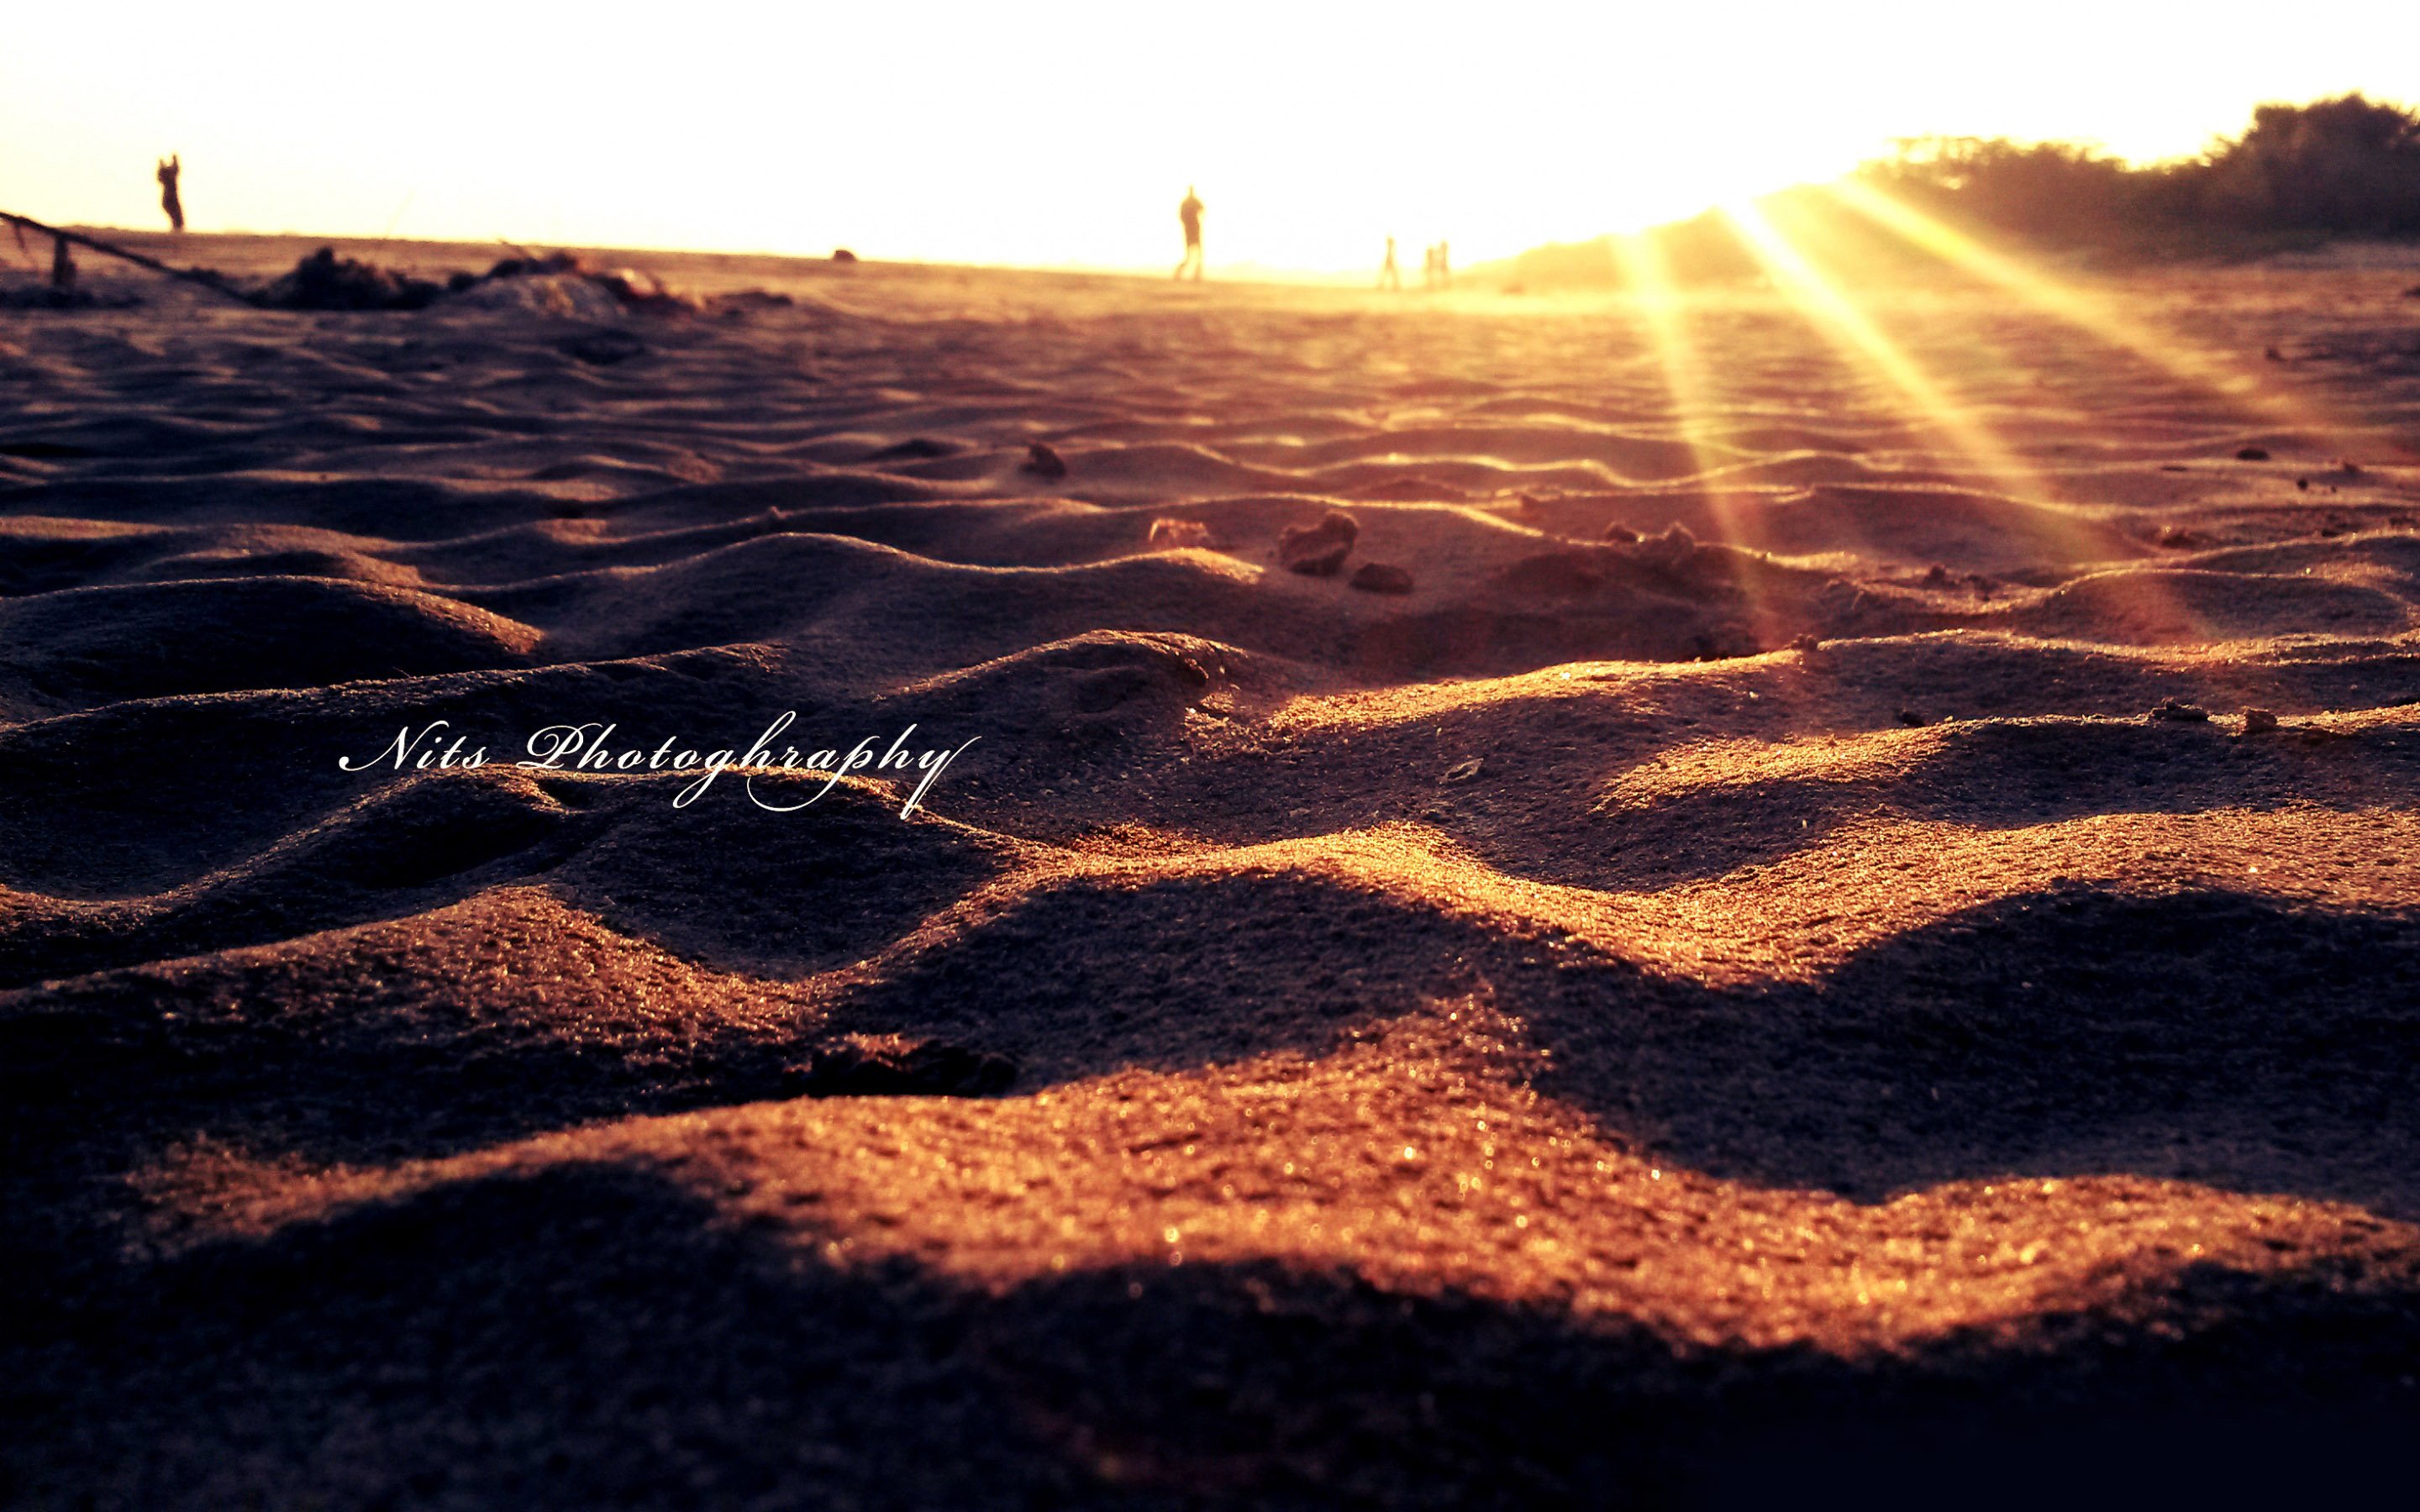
(1850, 329)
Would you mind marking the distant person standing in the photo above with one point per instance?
(1190, 213)
(1444, 265)
(1389, 275)
(169, 200)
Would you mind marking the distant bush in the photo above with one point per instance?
(2348, 166)
(2050, 189)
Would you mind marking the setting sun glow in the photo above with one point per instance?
(1064, 134)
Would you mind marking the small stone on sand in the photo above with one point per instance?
(1043, 462)
(1671, 550)
(1167, 533)
(2259, 721)
(2170, 709)
(1463, 771)
(1382, 578)
(1318, 550)
(1621, 533)
(2252, 453)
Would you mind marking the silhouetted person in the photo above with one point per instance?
(1388, 276)
(169, 200)
(1428, 265)
(1444, 265)
(1190, 213)
(62, 266)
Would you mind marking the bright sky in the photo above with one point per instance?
(1040, 132)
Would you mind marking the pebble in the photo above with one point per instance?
(1382, 578)
(2259, 721)
(2181, 713)
(1671, 550)
(1168, 533)
(1318, 550)
(1043, 462)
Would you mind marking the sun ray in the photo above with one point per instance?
(1653, 296)
(2093, 314)
(1661, 304)
(1851, 329)
(1803, 281)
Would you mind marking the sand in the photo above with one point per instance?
(1726, 988)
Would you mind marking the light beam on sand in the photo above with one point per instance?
(2094, 316)
(1833, 312)
(1850, 329)
(1658, 301)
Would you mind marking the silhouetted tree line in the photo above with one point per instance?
(2348, 166)
(2298, 175)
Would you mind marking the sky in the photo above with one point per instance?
(1042, 133)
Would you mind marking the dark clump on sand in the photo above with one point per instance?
(48, 297)
(323, 281)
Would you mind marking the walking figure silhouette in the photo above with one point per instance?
(169, 200)
(1190, 213)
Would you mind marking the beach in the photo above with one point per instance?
(1842, 916)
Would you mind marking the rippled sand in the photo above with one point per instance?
(1756, 1004)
